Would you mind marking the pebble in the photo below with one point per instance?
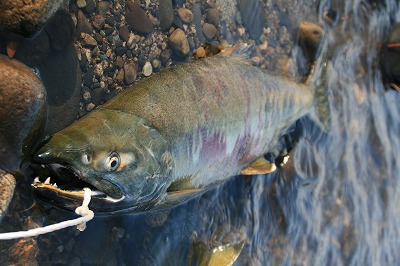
(137, 19)
(197, 16)
(90, 107)
(103, 7)
(166, 14)
(210, 31)
(179, 43)
(119, 62)
(86, 96)
(309, 37)
(124, 33)
(98, 22)
(213, 16)
(120, 50)
(83, 24)
(119, 77)
(81, 3)
(88, 40)
(147, 69)
(253, 17)
(90, 6)
(201, 52)
(156, 64)
(130, 70)
(186, 15)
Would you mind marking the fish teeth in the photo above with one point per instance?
(36, 180)
(55, 185)
(47, 182)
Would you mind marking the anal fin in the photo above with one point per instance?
(258, 167)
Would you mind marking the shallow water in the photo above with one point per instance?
(336, 202)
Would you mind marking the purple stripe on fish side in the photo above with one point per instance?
(213, 145)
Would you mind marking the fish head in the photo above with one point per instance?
(119, 156)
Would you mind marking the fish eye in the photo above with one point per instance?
(86, 159)
(112, 162)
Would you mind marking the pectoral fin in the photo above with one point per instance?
(258, 167)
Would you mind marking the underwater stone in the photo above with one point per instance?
(252, 12)
(137, 19)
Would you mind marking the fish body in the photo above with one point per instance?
(182, 129)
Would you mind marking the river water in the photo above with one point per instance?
(336, 201)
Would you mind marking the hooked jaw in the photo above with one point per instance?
(61, 183)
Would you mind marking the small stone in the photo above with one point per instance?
(83, 24)
(86, 95)
(81, 3)
(120, 50)
(147, 69)
(210, 31)
(179, 43)
(119, 62)
(137, 19)
(213, 17)
(88, 77)
(98, 22)
(90, 6)
(130, 70)
(120, 76)
(166, 14)
(309, 37)
(88, 40)
(98, 37)
(165, 56)
(103, 7)
(90, 107)
(197, 16)
(200, 52)
(186, 15)
(124, 33)
(156, 63)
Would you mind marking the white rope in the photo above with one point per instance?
(80, 222)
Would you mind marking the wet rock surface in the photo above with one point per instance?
(7, 186)
(22, 112)
(137, 18)
(26, 17)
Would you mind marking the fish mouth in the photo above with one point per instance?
(63, 187)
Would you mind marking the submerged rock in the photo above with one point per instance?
(166, 14)
(179, 43)
(7, 186)
(26, 17)
(22, 112)
(137, 19)
(309, 38)
(252, 12)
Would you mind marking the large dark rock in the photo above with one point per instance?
(60, 30)
(22, 112)
(33, 51)
(252, 12)
(61, 76)
(166, 12)
(137, 19)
